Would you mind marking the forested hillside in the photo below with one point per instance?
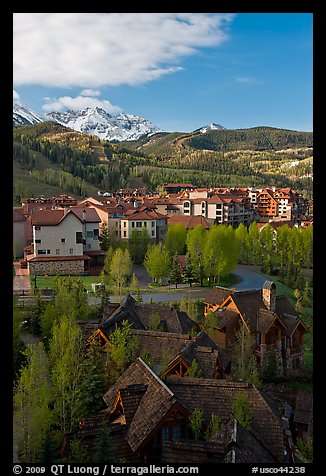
(80, 164)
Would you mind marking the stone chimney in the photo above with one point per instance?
(269, 295)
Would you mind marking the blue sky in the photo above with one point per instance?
(180, 71)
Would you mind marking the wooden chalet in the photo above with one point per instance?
(213, 362)
(272, 319)
(148, 419)
(139, 315)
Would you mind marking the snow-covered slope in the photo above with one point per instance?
(211, 127)
(98, 122)
(23, 116)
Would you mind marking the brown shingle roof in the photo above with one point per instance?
(156, 401)
(218, 295)
(249, 303)
(140, 316)
(160, 345)
(217, 396)
(304, 407)
(207, 354)
(266, 319)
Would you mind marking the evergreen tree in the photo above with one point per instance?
(93, 382)
(105, 237)
(103, 447)
(214, 426)
(194, 370)
(196, 423)
(175, 272)
(188, 275)
(242, 410)
(122, 346)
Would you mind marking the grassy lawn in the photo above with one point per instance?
(47, 282)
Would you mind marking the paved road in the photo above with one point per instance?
(250, 277)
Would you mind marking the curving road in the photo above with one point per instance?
(249, 277)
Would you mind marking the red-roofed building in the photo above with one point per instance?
(190, 222)
(137, 219)
(22, 231)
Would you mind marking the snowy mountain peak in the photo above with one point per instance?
(23, 116)
(211, 127)
(100, 123)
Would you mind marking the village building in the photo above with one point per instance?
(272, 320)
(65, 241)
(144, 218)
(22, 231)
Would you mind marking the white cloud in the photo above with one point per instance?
(96, 49)
(15, 97)
(90, 92)
(77, 103)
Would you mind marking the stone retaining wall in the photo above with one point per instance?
(56, 268)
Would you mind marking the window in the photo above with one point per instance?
(138, 224)
(89, 234)
(37, 227)
(176, 432)
(63, 240)
(95, 234)
(165, 433)
(57, 251)
(71, 251)
(125, 234)
(124, 224)
(132, 224)
(145, 224)
(79, 237)
(153, 224)
(89, 246)
(153, 232)
(38, 241)
(48, 252)
(41, 252)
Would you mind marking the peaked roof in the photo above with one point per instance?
(156, 400)
(190, 221)
(54, 217)
(218, 295)
(217, 396)
(140, 316)
(251, 306)
(207, 354)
